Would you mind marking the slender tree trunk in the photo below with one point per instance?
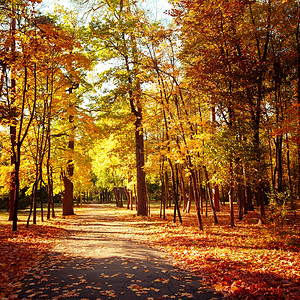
(210, 195)
(298, 96)
(19, 140)
(231, 196)
(175, 192)
(140, 163)
(166, 194)
(49, 186)
(183, 192)
(240, 189)
(131, 200)
(34, 196)
(261, 203)
(216, 197)
(41, 201)
(116, 196)
(127, 192)
(12, 188)
(206, 201)
(162, 200)
(196, 197)
(240, 201)
(279, 170)
(188, 208)
(289, 171)
(17, 187)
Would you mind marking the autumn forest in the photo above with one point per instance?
(189, 118)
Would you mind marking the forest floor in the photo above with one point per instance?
(104, 252)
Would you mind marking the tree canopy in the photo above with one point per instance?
(202, 110)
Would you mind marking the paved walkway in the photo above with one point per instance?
(100, 258)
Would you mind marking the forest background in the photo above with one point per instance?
(201, 108)
(198, 112)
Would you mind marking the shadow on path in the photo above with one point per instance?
(105, 263)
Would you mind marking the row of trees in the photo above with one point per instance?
(203, 105)
(219, 90)
(41, 66)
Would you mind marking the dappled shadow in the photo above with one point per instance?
(76, 277)
(21, 250)
(102, 255)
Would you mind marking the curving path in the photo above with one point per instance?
(100, 258)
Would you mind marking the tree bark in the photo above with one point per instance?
(183, 192)
(12, 188)
(68, 197)
(196, 197)
(68, 201)
(298, 96)
(140, 163)
(231, 196)
(17, 190)
(216, 197)
(209, 193)
(175, 192)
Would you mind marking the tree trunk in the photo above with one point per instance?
(183, 192)
(131, 200)
(261, 203)
(175, 192)
(12, 188)
(68, 197)
(140, 163)
(50, 202)
(298, 97)
(162, 212)
(209, 193)
(67, 201)
(166, 194)
(188, 207)
(34, 198)
(216, 197)
(241, 204)
(231, 196)
(289, 171)
(17, 189)
(116, 196)
(127, 192)
(279, 182)
(41, 201)
(196, 197)
(17, 150)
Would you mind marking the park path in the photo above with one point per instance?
(100, 257)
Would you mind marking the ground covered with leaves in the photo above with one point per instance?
(249, 261)
(22, 250)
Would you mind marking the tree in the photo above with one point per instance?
(114, 32)
(26, 67)
(229, 51)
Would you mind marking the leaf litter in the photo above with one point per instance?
(245, 262)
